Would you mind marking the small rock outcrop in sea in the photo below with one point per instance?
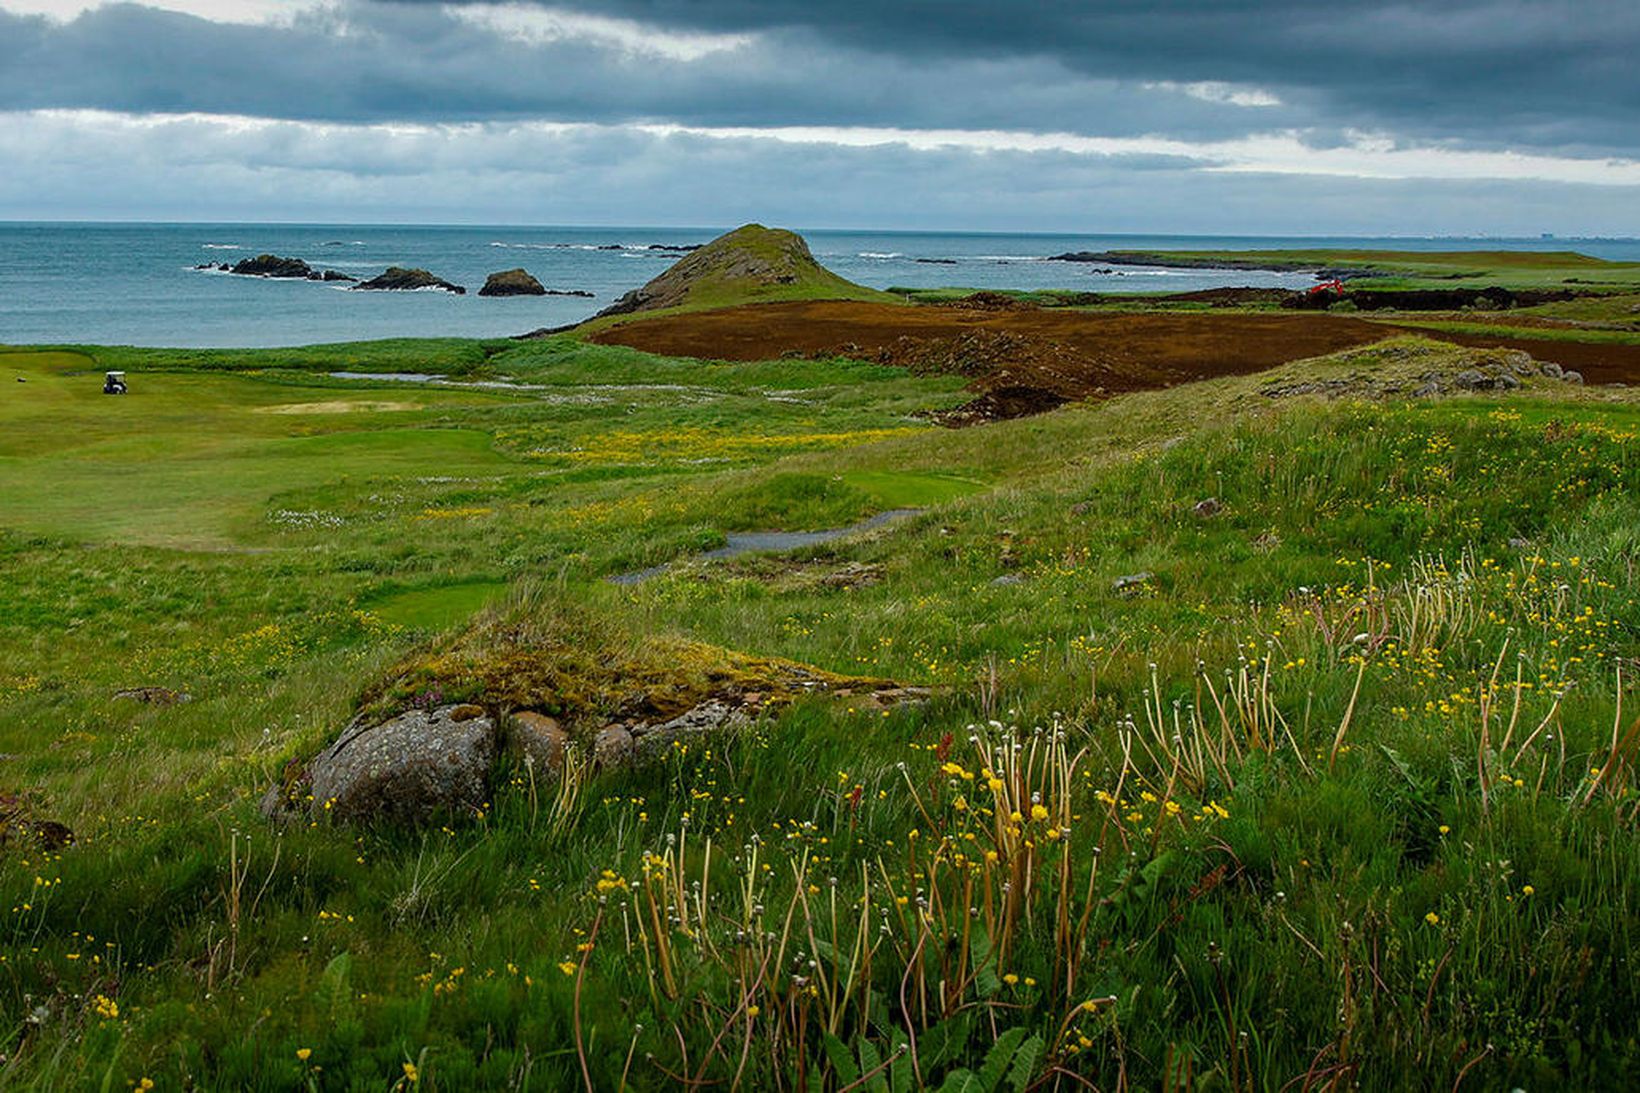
(399, 279)
(271, 265)
(512, 282)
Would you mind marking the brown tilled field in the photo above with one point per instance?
(1057, 355)
(1119, 352)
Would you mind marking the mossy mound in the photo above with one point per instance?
(751, 263)
(547, 656)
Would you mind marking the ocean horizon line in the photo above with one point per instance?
(1130, 233)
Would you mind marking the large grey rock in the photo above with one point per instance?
(408, 770)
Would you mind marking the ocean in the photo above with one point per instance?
(135, 284)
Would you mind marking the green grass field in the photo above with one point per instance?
(1343, 791)
(1431, 269)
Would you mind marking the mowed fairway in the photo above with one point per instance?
(191, 460)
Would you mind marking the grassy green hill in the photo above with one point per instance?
(1329, 781)
(751, 264)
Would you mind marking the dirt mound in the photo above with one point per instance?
(999, 404)
(1017, 374)
(750, 262)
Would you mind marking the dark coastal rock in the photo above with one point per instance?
(271, 265)
(399, 279)
(512, 282)
(419, 765)
(581, 292)
(332, 275)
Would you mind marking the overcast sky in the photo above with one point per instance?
(1191, 116)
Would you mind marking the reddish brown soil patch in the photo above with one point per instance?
(1024, 359)
(1068, 353)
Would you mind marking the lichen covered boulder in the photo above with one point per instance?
(418, 765)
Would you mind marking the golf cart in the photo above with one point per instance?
(114, 383)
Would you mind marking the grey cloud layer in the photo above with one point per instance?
(1526, 73)
(75, 166)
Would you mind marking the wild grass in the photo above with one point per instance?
(1342, 794)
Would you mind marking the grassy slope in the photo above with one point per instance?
(1367, 897)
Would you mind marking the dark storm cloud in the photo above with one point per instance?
(381, 62)
(1526, 73)
(1537, 72)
